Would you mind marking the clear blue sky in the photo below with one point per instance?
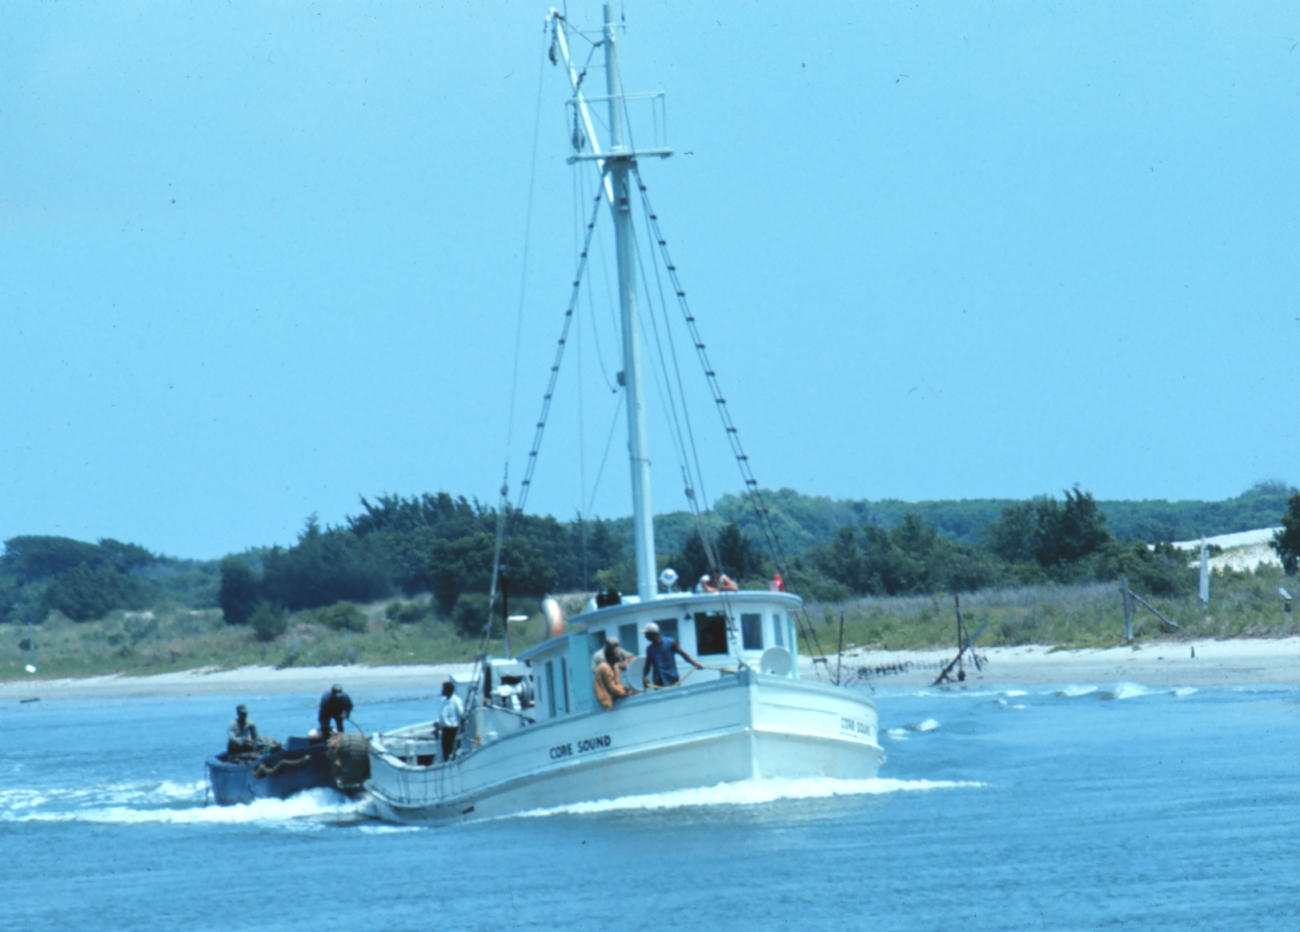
(258, 259)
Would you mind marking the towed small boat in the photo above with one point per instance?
(341, 763)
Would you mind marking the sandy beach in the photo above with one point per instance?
(214, 682)
(1202, 663)
(1244, 662)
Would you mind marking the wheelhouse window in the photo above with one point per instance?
(710, 633)
(627, 638)
(751, 631)
(778, 630)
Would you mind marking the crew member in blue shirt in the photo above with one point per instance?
(660, 665)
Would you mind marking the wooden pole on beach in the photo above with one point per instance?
(839, 663)
(1128, 609)
(1205, 575)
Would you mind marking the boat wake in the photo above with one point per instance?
(157, 792)
(750, 793)
(176, 804)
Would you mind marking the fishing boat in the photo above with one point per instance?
(301, 764)
(533, 735)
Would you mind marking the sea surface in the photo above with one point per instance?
(1075, 807)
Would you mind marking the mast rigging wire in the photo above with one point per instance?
(752, 490)
(609, 440)
(523, 272)
(666, 389)
(699, 505)
(524, 486)
(504, 507)
(503, 500)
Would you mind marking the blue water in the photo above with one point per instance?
(1120, 807)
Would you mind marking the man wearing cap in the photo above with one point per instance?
(609, 686)
(660, 665)
(621, 661)
(336, 705)
(242, 734)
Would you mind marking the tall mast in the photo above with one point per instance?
(618, 162)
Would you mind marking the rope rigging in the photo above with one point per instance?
(752, 490)
(504, 510)
(555, 366)
(698, 505)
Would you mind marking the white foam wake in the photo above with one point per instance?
(751, 793)
(318, 806)
(118, 794)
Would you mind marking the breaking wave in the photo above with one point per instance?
(1124, 691)
(751, 793)
(1070, 692)
(928, 725)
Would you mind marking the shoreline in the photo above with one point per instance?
(1200, 663)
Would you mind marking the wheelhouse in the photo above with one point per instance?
(722, 630)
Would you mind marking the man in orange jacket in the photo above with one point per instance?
(609, 686)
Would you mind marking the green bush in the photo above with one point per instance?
(269, 621)
(408, 613)
(324, 567)
(83, 593)
(470, 615)
(240, 591)
(341, 616)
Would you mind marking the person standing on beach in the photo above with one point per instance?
(449, 718)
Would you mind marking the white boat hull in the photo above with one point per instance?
(741, 727)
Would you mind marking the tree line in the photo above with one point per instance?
(444, 545)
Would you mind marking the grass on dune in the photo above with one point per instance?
(1244, 604)
(167, 639)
